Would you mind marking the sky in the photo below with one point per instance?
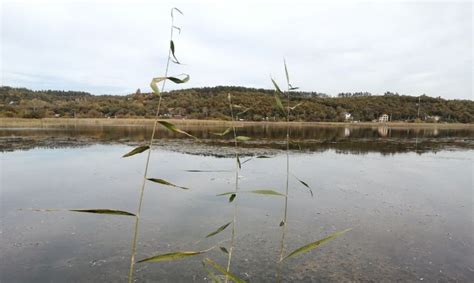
(115, 47)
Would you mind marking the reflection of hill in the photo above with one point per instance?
(265, 139)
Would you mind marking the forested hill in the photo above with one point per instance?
(212, 103)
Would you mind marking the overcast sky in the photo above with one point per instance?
(115, 47)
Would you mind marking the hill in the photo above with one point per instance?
(211, 103)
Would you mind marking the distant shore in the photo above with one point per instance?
(51, 122)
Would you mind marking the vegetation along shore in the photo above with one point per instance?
(210, 103)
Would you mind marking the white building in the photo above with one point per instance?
(383, 118)
(347, 116)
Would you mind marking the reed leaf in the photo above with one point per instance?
(259, 192)
(178, 80)
(223, 133)
(175, 9)
(104, 211)
(286, 73)
(313, 245)
(206, 171)
(277, 88)
(137, 150)
(232, 197)
(304, 184)
(223, 270)
(266, 192)
(166, 183)
(242, 138)
(172, 52)
(171, 256)
(278, 103)
(238, 162)
(212, 276)
(220, 229)
(155, 81)
(173, 128)
(224, 250)
(294, 107)
(177, 28)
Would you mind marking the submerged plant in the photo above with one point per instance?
(284, 222)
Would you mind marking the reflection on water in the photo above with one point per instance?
(381, 139)
(411, 212)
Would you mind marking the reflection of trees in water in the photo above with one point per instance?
(382, 139)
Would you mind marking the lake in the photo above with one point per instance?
(407, 194)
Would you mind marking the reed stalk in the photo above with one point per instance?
(150, 144)
(237, 170)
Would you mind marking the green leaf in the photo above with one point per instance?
(224, 250)
(104, 211)
(223, 133)
(166, 183)
(308, 247)
(259, 192)
(172, 53)
(304, 184)
(278, 103)
(277, 88)
(232, 197)
(222, 270)
(226, 194)
(242, 138)
(267, 192)
(220, 229)
(178, 80)
(137, 150)
(212, 276)
(286, 73)
(98, 211)
(171, 256)
(173, 128)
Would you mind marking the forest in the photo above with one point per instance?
(255, 105)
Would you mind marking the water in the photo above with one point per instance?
(407, 194)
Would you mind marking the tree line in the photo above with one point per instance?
(211, 103)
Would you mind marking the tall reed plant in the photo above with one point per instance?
(279, 94)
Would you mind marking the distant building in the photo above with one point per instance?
(347, 116)
(383, 118)
(433, 118)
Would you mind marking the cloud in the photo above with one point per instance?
(116, 47)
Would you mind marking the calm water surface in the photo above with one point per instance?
(407, 194)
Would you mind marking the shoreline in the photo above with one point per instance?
(24, 123)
